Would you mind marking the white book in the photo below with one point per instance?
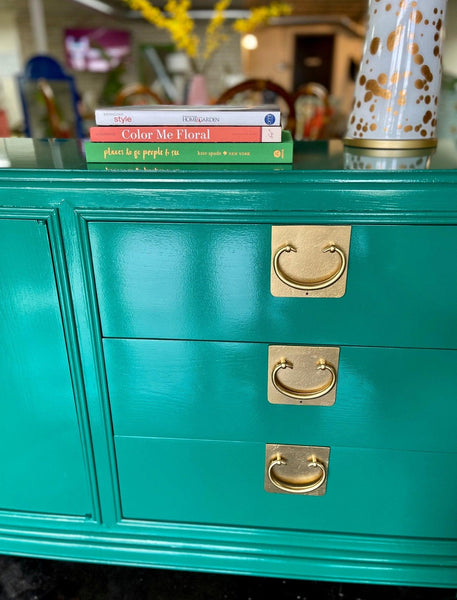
(160, 114)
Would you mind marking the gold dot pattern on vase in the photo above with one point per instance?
(401, 99)
(416, 16)
(375, 45)
(374, 89)
(400, 71)
(395, 78)
(394, 38)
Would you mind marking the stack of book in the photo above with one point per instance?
(188, 135)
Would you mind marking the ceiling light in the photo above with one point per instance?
(249, 41)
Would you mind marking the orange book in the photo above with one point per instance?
(218, 133)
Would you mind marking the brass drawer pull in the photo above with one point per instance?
(317, 284)
(309, 378)
(291, 469)
(310, 394)
(296, 487)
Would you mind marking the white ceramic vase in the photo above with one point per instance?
(397, 89)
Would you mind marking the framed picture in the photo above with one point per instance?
(96, 50)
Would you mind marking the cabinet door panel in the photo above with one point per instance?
(41, 460)
(380, 492)
(212, 281)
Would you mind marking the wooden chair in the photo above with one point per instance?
(59, 129)
(312, 111)
(247, 92)
(49, 100)
(137, 93)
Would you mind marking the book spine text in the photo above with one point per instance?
(129, 117)
(185, 134)
(146, 152)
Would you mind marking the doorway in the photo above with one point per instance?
(313, 60)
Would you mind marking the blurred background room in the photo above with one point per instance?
(304, 55)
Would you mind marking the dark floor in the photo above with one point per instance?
(34, 579)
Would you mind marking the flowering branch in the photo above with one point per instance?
(179, 25)
(213, 35)
(176, 20)
(261, 16)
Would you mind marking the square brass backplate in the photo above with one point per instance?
(301, 470)
(309, 261)
(302, 375)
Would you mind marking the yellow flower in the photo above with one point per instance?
(179, 24)
(176, 20)
(213, 36)
(260, 16)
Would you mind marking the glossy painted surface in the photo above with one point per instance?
(210, 390)
(41, 462)
(212, 282)
(368, 491)
(389, 514)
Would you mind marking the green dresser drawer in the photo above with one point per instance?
(212, 282)
(396, 398)
(380, 492)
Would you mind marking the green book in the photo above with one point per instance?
(191, 152)
(204, 167)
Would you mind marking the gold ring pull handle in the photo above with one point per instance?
(311, 394)
(295, 487)
(317, 284)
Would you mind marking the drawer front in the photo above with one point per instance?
(396, 398)
(212, 281)
(368, 491)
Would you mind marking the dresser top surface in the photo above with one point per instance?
(331, 157)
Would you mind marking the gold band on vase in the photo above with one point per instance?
(390, 144)
(390, 152)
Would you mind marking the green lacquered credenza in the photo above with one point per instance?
(245, 371)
